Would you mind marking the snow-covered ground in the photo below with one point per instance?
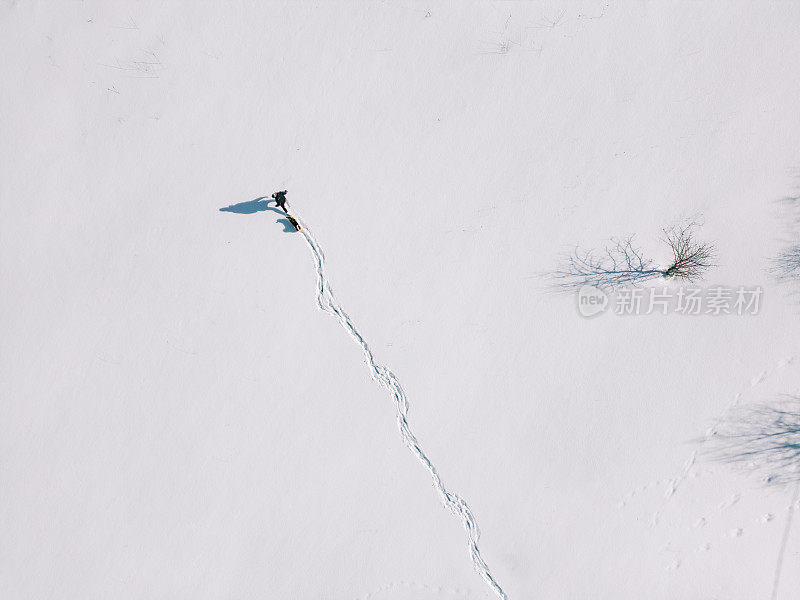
(181, 420)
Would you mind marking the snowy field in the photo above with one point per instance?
(187, 409)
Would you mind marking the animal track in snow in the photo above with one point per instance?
(411, 590)
(674, 484)
(689, 466)
(730, 501)
(691, 469)
(380, 373)
(639, 490)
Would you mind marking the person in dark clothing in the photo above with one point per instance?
(280, 200)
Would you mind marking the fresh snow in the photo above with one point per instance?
(181, 420)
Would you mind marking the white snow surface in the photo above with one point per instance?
(181, 420)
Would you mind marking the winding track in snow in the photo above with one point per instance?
(452, 501)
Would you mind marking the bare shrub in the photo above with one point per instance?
(690, 259)
(622, 263)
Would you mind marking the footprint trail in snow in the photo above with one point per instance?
(457, 505)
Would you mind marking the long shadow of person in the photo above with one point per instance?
(260, 204)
